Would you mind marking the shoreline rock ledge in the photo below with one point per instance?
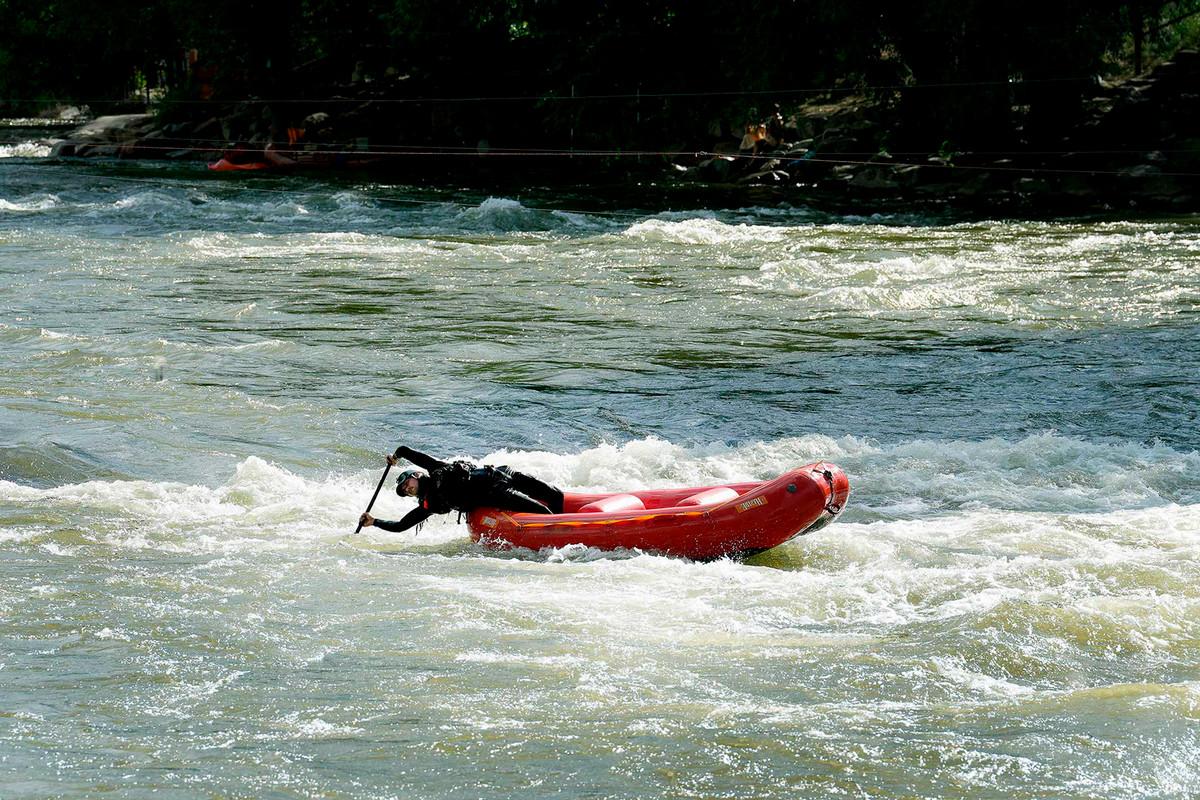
(103, 137)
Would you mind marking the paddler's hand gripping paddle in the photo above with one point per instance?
(377, 488)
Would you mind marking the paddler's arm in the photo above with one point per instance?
(427, 463)
(412, 518)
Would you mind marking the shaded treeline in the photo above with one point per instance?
(971, 73)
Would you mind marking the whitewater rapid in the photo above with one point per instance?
(199, 377)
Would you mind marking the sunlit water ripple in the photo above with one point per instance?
(200, 375)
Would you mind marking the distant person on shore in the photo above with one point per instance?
(276, 153)
(239, 153)
(761, 137)
(276, 156)
(776, 129)
(441, 487)
(755, 134)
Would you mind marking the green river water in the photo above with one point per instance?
(199, 377)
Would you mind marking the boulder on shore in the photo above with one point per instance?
(104, 136)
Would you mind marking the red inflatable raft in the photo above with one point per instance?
(702, 523)
(224, 165)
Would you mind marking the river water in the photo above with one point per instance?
(199, 376)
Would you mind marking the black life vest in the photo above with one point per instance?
(458, 486)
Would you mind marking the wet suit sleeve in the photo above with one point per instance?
(427, 463)
(414, 517)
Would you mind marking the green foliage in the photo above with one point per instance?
(1170, 27)
(652, 72)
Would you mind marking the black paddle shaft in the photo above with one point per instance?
(377, 488)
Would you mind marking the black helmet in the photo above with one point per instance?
(405, 475)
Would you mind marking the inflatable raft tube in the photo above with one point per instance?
(702, 523)
(224, 165)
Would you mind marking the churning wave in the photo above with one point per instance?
(30, 204)
(944, 485)
(24, 150)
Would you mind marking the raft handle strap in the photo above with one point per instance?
(832, 507)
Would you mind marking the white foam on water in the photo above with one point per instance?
(860, 579)
(1112, 582)
(906, 479)
(943, 276)
(17, 493)
(161, 350)
(497, 215)
(116, 635)
(308, 246)
(189, 208)
(1041, 472)
(24, 150)
(299, 726)
(1148, 488)
(263, 507)
(31, 205)
(656, 463)
(1109, 240)
(954, 669)
(156, 352)
(496, 657)
(703, 231)
(154, 204)
(862, 282)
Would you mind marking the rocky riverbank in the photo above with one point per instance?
(1137, 146)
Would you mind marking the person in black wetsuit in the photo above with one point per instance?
(441, 487)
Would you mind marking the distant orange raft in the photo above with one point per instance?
(701, 523)
(225, 165)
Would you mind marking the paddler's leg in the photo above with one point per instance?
(511, 500)
(541, 491)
